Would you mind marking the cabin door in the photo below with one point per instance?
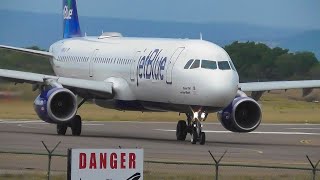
(134, 66)
(171, 63)
(91, 61)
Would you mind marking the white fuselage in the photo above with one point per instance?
(149, 70)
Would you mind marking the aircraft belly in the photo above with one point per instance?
(148, 106)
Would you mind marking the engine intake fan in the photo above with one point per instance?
(243, 114)
(57, 105)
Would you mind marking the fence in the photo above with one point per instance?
(26, 165)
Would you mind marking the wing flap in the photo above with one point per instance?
(20, 76)
(279, 85)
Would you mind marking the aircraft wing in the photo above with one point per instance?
(28, 51)
(279, 85)
(34, 78)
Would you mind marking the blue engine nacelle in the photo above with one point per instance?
(56, 105)
(243, 114)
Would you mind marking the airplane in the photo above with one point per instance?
(190, 76)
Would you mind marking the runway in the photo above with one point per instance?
(269, 144)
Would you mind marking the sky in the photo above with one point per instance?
(301, 14)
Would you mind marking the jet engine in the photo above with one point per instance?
(56, 105)
(243, 114)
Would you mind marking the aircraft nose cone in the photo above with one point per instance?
(225, 87)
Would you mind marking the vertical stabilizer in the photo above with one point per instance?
(71, 26)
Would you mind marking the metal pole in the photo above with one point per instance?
(217, 171)
(49, 167)
(314, 167)
(49, 157)
(69, 164)
(217, 162)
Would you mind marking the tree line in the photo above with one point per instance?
(259, 62)
(25, 62)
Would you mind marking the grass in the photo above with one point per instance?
(32, 176)
(14, 109)
(224, 177)
(166, 176)
(281, 107)
(164, 171)
(277, 106)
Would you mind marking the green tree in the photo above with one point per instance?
(25, 62)
(315, 71)
(258, 62)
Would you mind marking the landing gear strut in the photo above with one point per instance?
(192, 126)
(62, 129)
(75, 124)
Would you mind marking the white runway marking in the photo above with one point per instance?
(255, 132)
(42, 122)
(137, 122)
(305, 124)
(254, 150)
(305, 128)
(90, 124)
(143, 122)
(30, 127)
(22, 122)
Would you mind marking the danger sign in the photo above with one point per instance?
(105, 164)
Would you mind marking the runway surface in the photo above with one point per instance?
(279, 144)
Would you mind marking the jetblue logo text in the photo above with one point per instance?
(67, 13)
(152, 65)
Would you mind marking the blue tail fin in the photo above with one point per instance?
(71, 26)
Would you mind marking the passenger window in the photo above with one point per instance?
(208, 64)
(223, 65)
(188, 64)
(195, 64)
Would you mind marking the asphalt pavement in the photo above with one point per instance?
(280, 144)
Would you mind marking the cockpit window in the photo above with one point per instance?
(223, 65)
(208, 64)
(188, 64)
(232, 66)
(195, 64)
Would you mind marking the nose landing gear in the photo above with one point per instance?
(194, 127)
(197, 134)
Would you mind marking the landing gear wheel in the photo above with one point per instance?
(194, 137)
(62, 129)
(76, 125)
(202, 138)
(181, 131)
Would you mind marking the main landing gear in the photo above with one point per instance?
(75, 124)
(193, 126)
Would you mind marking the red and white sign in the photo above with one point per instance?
(107, 164)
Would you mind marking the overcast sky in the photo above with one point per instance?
(304, 14)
